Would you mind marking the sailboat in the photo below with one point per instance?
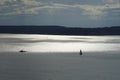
(81, 52)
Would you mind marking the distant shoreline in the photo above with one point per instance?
(60, 30)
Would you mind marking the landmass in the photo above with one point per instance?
(60, 30)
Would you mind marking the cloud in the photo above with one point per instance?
(111, 1)
(14, 7)
(25, 2)
(30, 2)
(91, 10)
(3, 2)
(99, 10)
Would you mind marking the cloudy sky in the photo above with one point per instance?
(72, 13)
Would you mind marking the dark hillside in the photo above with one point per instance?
(60, 30)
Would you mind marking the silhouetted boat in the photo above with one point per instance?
(81, 52)
(22, 51)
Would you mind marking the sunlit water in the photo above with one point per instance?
(38, 64)
(57, 43)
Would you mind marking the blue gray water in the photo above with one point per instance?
(60, 66)
(57, 57)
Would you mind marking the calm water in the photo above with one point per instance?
(51, 43)
(57, 57)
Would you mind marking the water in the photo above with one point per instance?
(52, 57)
(52, 43)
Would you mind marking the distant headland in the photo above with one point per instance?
(60, 30)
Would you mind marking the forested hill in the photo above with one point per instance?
(60, 30)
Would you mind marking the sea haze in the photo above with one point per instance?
(58, 43)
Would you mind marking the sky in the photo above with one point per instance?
(70, 13)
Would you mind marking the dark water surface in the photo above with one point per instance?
(59, 66)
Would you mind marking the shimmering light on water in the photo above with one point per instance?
(57, 43)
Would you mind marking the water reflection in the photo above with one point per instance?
(54, 43)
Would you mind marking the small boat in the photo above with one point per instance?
(81, 52)
(22, 51)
